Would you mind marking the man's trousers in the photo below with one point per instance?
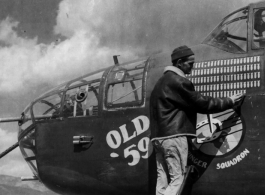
(171, 160)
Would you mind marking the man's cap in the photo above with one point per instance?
(180, 52)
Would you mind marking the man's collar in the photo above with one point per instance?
(175, 70)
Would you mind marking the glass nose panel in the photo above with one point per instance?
(47, 107)
(27, 142)
(28, 150)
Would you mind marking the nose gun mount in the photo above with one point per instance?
(82, 142)
(82, 139)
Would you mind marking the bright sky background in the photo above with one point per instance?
(46, 42)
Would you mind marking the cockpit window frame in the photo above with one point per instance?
(127, 105)
(221, 25)
(253, 45)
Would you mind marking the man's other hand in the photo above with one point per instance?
(237, 97)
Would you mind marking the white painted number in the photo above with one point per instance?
(145, 146)
(134, 153)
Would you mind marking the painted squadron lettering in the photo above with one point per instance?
(115, 138)
(197, 161)
(234, 161)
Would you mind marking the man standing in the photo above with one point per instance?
(174, 106)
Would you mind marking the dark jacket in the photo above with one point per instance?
(174, 105)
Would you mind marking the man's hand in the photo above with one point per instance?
(238, 101)
(237, 98)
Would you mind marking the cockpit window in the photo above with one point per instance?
(231, 34)
(259, 28)
(127, 91)
(125, 85)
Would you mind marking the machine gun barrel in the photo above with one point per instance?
(19, 119)
(4, 120)
(24, 118)
(11, 119)
(9, 150)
